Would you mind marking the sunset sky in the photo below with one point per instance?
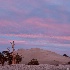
(35, 24)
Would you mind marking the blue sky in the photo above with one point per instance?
(35, 24)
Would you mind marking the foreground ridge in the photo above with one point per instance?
(34, 67)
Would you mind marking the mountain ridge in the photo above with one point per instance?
(43, 56)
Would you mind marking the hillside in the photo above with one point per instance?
(43, 56)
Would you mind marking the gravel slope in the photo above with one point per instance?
(35, 67)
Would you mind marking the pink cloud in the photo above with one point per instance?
(48, 23)
(45, 40)
(6, 41)
(38, 36)
(6, 23)
(11, 25)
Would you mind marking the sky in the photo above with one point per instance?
(41, 24)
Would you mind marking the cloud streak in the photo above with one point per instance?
(35, 23)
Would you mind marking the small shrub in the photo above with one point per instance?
(65, 55)
(33, 62)
(68, 62)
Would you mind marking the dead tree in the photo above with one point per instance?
(13, 54)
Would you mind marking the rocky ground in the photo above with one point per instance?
(34, 67)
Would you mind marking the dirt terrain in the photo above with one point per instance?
(43, 56)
